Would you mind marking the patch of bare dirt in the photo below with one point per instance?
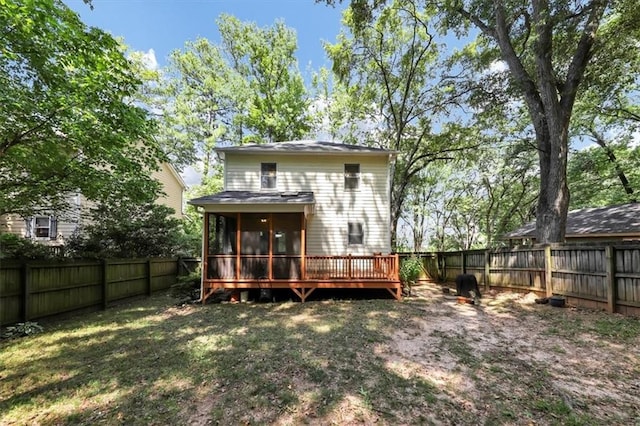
(507, 348)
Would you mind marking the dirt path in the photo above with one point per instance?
(508, 351)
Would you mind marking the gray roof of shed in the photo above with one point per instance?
(249, 197)
(304, 147)
(612, 220)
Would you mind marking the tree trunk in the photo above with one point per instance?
(549, 104)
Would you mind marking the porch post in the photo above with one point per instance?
(303, 248)
(238, 248)
(205, 256)
(270, 262)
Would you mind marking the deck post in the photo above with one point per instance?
(238, 248)
(270, 261)
(303, 248)
(205, 256)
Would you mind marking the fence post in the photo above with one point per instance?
(149, 278)
(463, 260)
(612, 290)
(548, 270)
(487, 270)
(26, 291)
(104, 283)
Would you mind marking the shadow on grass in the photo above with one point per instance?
(319, 362)
(229, 363)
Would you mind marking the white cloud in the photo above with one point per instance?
(149, 59)
(191, 176)
(498, 66)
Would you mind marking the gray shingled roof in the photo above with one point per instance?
(612, 220)
(306, 146)
(248, 197)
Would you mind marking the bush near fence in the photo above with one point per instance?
(592, 276)
(32, 290)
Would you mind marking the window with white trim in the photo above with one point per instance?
(268, 173)
(351, 177)
(355, 232)
(41, 226)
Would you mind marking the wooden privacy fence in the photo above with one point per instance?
(36, 289)
(594, 276)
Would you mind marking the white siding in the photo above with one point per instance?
(335, 206)
(173, 188)
(66, 223)
(78, 213)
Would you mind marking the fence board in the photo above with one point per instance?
(36, 289)
(583, 272)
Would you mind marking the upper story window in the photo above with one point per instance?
(355, 231)
(351, 176)
(268, 176)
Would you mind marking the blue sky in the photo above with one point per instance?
(165, 25)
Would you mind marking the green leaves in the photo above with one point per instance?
(66, 119)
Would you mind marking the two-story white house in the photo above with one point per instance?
(300, 215)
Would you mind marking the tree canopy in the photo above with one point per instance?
(388, 81)
(247, 88)
(67, 119)
(552, 51)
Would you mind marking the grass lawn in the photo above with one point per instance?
(426, 360)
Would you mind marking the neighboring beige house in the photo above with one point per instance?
(300, 215)
(53, 230)
(591, 225)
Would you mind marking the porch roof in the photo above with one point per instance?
(249, 197)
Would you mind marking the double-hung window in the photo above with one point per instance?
(268, 176)
(355, 232)
(42, 226)
(351, 177)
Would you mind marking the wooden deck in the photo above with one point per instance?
(301, 274)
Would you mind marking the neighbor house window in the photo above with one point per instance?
(42, 226)
(351, 176)
(356, 233)
(268, 176)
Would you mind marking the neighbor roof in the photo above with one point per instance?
(305, 147)
(622, 219)
(248, 197)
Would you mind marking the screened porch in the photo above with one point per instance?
(267, 250)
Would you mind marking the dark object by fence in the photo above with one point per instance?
(466, 283)
(557, 301)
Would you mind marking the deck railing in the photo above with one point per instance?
(352, 267)
(296, 267)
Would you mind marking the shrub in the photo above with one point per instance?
(187, 287)
(15, 247)
(410, 269)
(134, 231)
